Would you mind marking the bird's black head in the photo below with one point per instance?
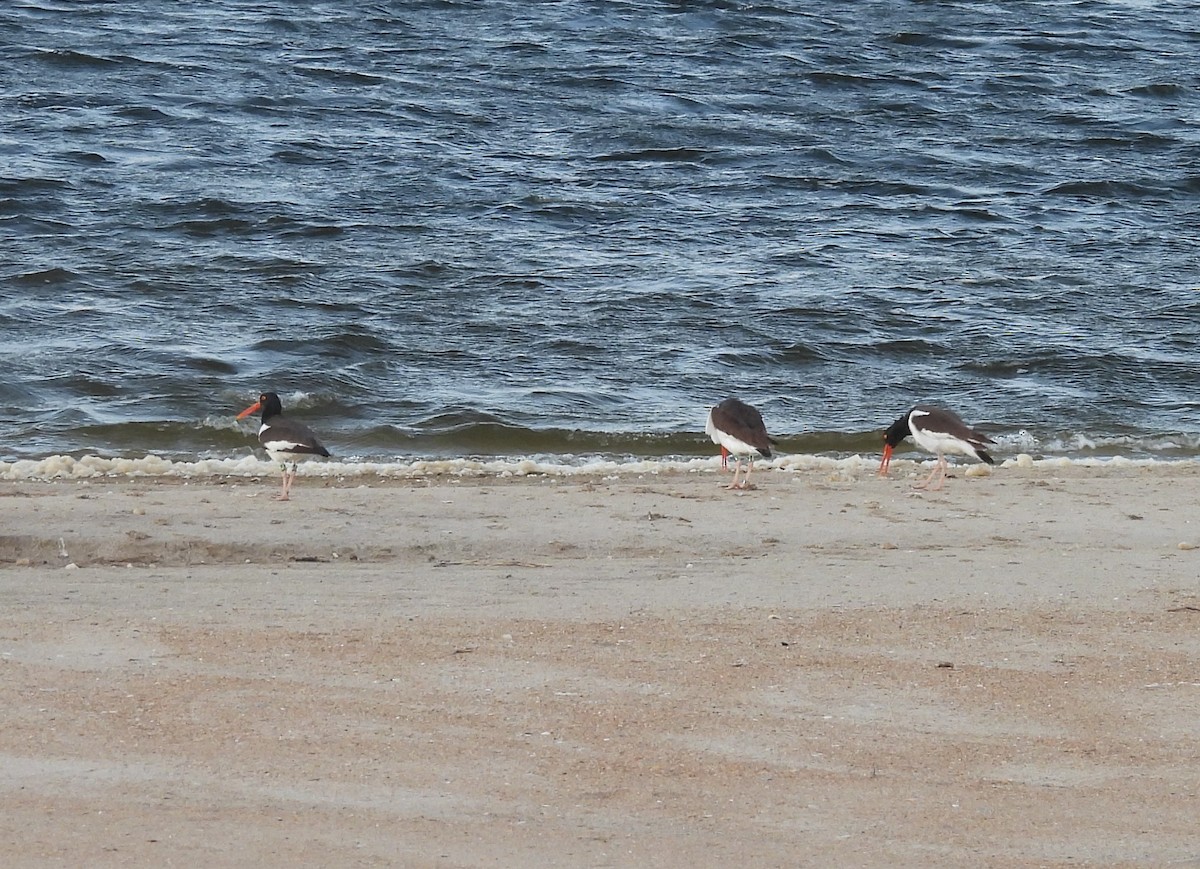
(268, 403)
(271, 405)
(897, 431)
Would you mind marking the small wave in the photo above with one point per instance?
(144, 113)
(839, 79)
(312, 230)
(306, 153)
(66, 58)
(214, 228)
(471, 434)
(24, 223)
(899, 347)
(1080, 445)
(347, 76)
(1106, 190)
(84, 158)
(803, 352)
(657, 155)
(934, 40)
(348, 343)
(1158, 90)
(1079, 43)
(45, 277)
(18, 187)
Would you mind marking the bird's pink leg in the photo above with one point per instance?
(941, 480)
(287, 485)
(749, 468)
(737, 467)
(939, 471)
(924, 484)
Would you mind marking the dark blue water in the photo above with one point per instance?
(443, 228)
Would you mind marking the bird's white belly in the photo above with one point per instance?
(734, 445)
(286, 450)
(942, 444)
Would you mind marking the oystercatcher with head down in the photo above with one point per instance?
(938, 431)
(739, 430)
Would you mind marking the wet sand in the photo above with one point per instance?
(828, 670)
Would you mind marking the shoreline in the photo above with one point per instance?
(64, 467)
(603, 670)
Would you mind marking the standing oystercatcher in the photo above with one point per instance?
(937, 431)
(285, 440)
(739, 430)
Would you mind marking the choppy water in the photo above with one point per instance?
(449, 228)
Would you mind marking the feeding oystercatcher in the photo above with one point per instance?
(739, 430)
(939, 431)
(285, 440)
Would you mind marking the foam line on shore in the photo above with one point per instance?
(88, 467)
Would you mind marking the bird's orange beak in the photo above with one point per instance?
(724, 457)
(887, 460)
(251, 409)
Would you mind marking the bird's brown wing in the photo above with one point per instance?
(740, 420)
(292, 437)
(940, 419)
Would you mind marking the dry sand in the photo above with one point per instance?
(826, 671)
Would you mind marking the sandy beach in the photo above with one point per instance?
(622, 670)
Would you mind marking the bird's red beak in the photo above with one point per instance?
(887, 460)
(724, 458)
(251, 409)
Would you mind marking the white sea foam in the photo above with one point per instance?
(88, 467)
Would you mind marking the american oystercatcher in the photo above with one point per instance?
(285, 440)
(738, 429)
(937, 431)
